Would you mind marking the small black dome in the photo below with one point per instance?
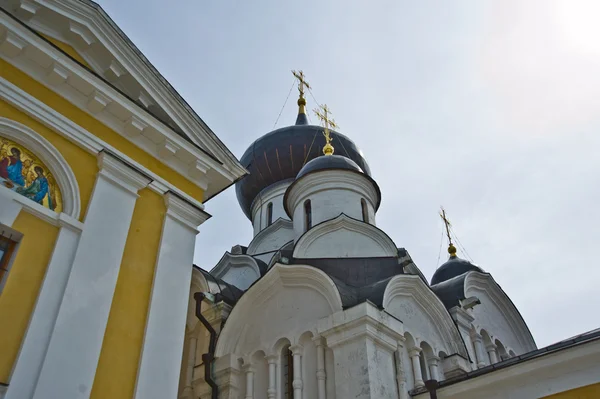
(328, 162)
(455, 266)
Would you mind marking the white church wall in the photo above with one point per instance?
(344, 237)
(272, 238)
(330, 370)
(309, 367)
(241, 276)
(260, 367)
(260, 207)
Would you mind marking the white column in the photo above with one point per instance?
(414, 357)
(272, 391)
(491, 350)
(160, 363)
(249, 381)
(35, 344)
(297, 382)
(321, 375)
(72, 357)
(400, 373)
(433, 363)
(479, 352)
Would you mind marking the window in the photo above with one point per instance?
(365, 210)
(269, 214)
(289, 392)
(307, 215)
(7, 247)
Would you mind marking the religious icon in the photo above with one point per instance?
(22, 172)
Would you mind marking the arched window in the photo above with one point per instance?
(269, 213)
(365, 210)
(287, 370)
(307, 215)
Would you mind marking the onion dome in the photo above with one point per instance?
(329, 162)
(282, 153)
(454, 267)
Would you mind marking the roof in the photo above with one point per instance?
(328, 162)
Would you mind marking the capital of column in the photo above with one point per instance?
(297, 384)
(321, 374)
(121, 174)
(433, 360)
(414, 352)
(476, 337)
(319, 341)
(296, 350)
(248, 368)
(183, 211)
(272, 359)
(490, 347)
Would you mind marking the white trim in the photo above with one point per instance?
(9, 208)
(114, 107)
(267, 232)
(229, 261)
(120, 174)
(51, 157)
(344, 222)
(188, 214)
(75, 133)
(412, 286)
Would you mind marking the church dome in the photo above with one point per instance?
(454, 267)
(329, 162)
(282, 153)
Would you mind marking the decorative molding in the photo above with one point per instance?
(229, 261)
(344, 222)
(406, 285)
(278, 278)
(279, 224)
(80, 80)
(185, 212)
(75, 133)
(52, 158)
(476, 281)
(121, 174)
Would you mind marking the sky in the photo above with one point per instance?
(489, 108)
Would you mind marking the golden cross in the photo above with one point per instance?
(328, 123)
(302, 83)
(451, 248)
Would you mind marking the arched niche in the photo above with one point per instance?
(42, 164)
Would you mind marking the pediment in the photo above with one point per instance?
(344, 237)
(80, 31)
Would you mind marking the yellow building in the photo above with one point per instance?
(103, 173)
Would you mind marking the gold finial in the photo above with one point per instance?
(451, 247)
(302, 83)
(328, 123)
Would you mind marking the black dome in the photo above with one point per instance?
(281, 154)
(454, 267)
(328, 162)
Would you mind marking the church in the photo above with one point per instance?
(104, 175)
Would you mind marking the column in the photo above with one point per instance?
(321, 375)
(400, 373)
(188, 390)
(272, 391)
(35, 344)
(433, 363)
(297, 382)
(414, 357)
(158, 375)
(249, 381)
(478, 343)
(491, 350)
(9, 209)
(72, 357)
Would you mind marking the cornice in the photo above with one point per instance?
(121, 174)
(184, 212)
(229, 259)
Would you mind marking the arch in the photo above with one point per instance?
(373, 241)
(258, 361)
(51, 157)
(501, 349)
(512, 353)
(307, 215)
(242, 330)
(411, 286)
(425, 358)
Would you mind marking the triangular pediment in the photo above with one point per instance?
(83, 32)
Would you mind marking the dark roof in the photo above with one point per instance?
(455, 266)
(451, 291)
(281, 154)
(328, 162)
(229, 293)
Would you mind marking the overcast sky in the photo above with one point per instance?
(489, 108)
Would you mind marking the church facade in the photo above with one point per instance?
(104, 172)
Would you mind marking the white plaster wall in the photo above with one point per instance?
(309, 368)
(261, 375)
(409, 375)
(288, 313)
(330, 372)
(416, 321)
(240, 276)
(344, 243)
(271, 240)
(489, 317)
(273, 194)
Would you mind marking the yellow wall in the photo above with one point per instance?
(83, 164)
(118, 365)
(67, 49)
(95, 127)
(22, 285)
(587, 392)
